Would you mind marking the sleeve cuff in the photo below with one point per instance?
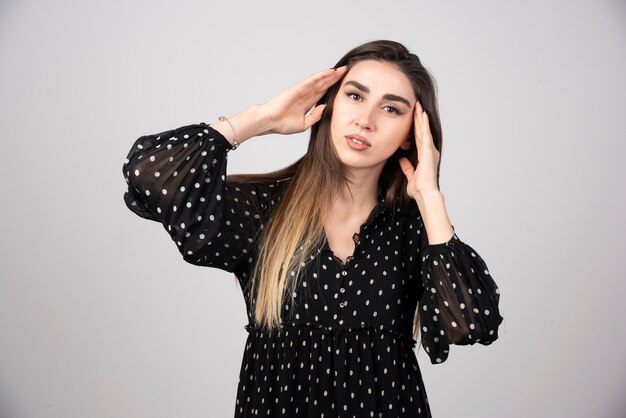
(217, 135)
(434, 249)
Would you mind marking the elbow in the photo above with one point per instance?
(190, 253)
(490, 328)
(485, 328)
(461, 334)
(481, 329)
(131, 170)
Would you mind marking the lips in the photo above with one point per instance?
(360, 138)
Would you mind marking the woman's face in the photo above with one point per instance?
(375, 100)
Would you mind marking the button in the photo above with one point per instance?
(344, 273)
(342, 290)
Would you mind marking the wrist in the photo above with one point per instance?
(428, 195)
(260, 114)
(433, 211)
(250, 122)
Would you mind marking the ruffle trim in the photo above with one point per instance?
(328, 330)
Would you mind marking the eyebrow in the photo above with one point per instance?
(388, 96)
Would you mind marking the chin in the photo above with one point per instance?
(351, 158)
(355, 161)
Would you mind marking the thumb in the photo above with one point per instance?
(314, 116)
(407, 167)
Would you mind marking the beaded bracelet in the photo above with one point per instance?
(235, 142)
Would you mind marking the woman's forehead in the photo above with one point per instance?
(379, 78)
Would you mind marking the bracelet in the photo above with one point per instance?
(235, 142)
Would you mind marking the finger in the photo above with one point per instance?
(418, 114)
(315, 86)
(314, 116)
(310, 96)
(407, 167)
(316, 95)
(425, 124)
(418, 127)
(422, 114)
(329, 75)
(323, 84)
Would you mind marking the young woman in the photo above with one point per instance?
(346, 255)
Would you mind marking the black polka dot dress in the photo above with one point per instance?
(345, 348)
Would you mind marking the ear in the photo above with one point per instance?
(406, 144)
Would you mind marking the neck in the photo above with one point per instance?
(361, 194)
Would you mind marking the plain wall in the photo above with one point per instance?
(101, 317)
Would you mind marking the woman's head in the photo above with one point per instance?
(390, 68)
(375, 100)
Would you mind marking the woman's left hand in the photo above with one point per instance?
(423, 178)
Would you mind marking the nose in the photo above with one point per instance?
(364, 121)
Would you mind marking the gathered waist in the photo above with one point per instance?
(329, 330)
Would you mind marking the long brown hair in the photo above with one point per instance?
(295, 230)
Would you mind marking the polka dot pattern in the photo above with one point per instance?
(345, 347)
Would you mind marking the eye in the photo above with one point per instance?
(351, 93)
(394, 110)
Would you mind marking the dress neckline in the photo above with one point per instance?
(377, 210)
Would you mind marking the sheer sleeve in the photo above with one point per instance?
(459, 303)
(178, 178)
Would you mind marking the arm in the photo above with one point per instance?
(460, 299)
(285, 113)
(432, 206)
(178, 177)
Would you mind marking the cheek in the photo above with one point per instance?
(334, 126)
(337, 120)
(398, 135)
(405, 129)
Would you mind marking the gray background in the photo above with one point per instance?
(101, 317)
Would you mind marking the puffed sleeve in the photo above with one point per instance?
(459, 303)
(178, 178)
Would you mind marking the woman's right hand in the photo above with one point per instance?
(287, 111)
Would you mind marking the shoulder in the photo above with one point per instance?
(262, 194)
(408, 223)
(403, 211)
(256, 181)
